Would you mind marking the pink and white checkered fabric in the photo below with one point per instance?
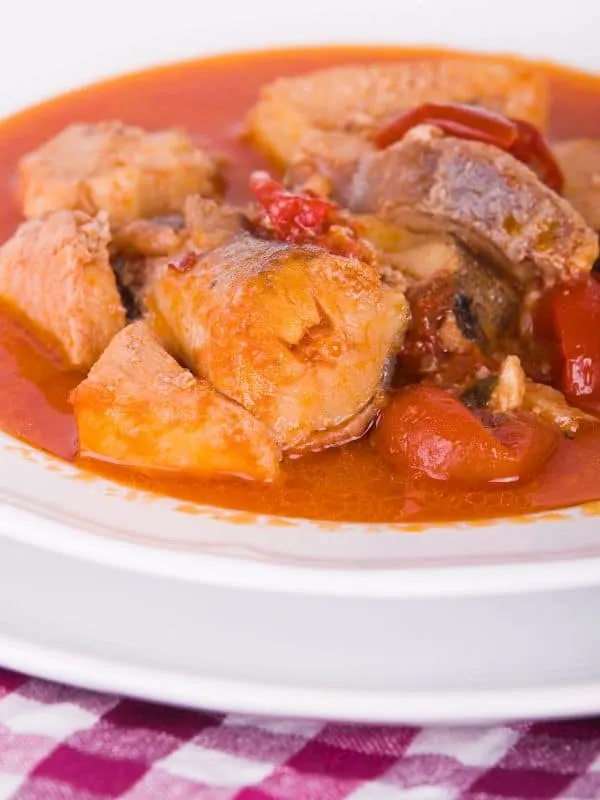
(59, 743)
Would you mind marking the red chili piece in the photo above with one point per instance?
(532, 149)
(462, 121)
(515, 136)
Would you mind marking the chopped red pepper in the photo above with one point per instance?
(569, 319)
(518, 137)
(306, 219)
(291, 217)
(426, 431)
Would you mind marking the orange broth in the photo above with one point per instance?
(210, 98)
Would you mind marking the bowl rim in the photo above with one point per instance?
(239, 573)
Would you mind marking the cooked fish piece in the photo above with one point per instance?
(299, 337)
(481, 296)
(551, 406)
(444, 280)
(461, 322)
(56, 272)
(121, 169)
(204, 224)
(347, 432)
(468, 305)
(486, 305)
(402, 252)
(450, 334)
(509, 392)
(579, 160)
(139, 408)
(153, 237)
(322, 122)
(211, 223)
(494, 203)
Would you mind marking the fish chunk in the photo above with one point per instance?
(121, 169)
(580, 162)
(299, 337)
(551, 406)
(139, 408)
(402, 253)
(56, 272)
(494, 203)
(205, 223)
(323, 120)
(211, 223)
(509, 392)
(153, 237)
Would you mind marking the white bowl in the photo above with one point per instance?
(294, 619)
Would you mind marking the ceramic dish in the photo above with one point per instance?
(131, 592)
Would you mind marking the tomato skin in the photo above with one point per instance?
(426, 431)
(516, 136)
(569, 318)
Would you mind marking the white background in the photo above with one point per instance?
(47, 46)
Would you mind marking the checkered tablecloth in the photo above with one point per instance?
(59, 743)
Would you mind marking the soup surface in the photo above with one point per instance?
(210, 98)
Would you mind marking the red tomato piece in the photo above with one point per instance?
(517, 137)
(428, 432)
(569, 317)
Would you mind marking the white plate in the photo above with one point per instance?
(459, 623)
(410, 660)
